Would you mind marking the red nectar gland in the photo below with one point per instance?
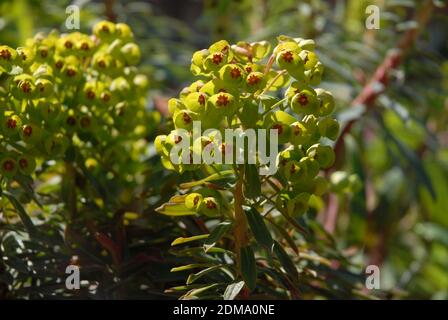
(223, 100)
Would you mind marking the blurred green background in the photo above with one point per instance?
(398, 146)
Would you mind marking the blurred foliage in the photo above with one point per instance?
(399, 147)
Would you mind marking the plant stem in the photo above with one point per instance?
(272, 82)
(369, 93)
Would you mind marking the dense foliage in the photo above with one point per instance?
(86, 176)
(235, 197)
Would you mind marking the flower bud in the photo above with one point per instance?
(184, 119)
(326, 102)
(11, 125)
(304, 102)
(70, 121)
(31, 133)
(131, 53)
(329, 128)
(295, 171)
(7, 57)
(287, 155)
(124, 32)
(26, 164)
(223, 102)
(312, 167)
(232, 75)
(8, 167)
(141, 82)
(255, 81)
(25, 57)
(70, 73)
(193, 201)
(323, 154)
(290, 44)
(104, 30)
(56, 144)
(23, 87)
(298, 205)
(300, 134)
(120, 86)
(86, 123)
(307, 44)
(309, 59)
(65, 45)
(196, 102)
(44, 88)
(210, 207)
(159, 143)
(339, 181)
(214, 61)
(84, 46)
(175, 105)
(291, 62)
(102, 62)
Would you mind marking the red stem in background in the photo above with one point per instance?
(372, 90)
(109, 10)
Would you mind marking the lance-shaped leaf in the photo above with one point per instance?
(175, 210)
(248, 267)
(190, 266)
(26, 220)
(212, 177)
(258, 227)
(217, 234)
(195, 276)
(181, 240)
(285, 260)
(233, 290)
(195, 293)
(252, 185)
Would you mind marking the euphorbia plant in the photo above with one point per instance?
(255, 224)
(74, 97)
(73, 129)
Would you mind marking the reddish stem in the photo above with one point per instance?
(374, 88)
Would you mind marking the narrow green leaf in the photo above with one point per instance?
(195, 276)
(192, 294)
(190, 266)
(252, 185)
(181, 240)
(26, 220)
(26, 185)
(285, 235)
(248, 267)
(175, 210)
(217, 233)
(212, 177)
(233, 290)
(413, 159)
(258, 227)
(285, 260)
